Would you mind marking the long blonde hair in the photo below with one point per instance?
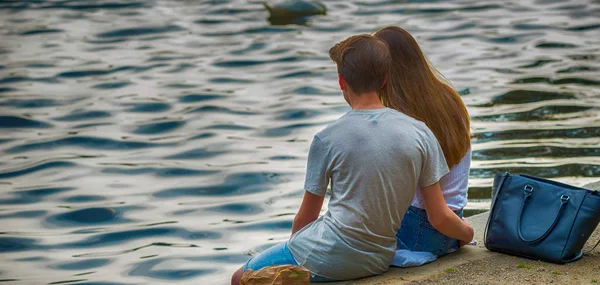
(417, 89)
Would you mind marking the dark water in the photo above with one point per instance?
(163, 141)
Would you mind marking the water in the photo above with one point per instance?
(163, 141)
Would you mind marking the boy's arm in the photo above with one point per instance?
(442, 218)
(309, 211)
(318, 173)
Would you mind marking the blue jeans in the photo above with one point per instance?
(417, 234)
(278, 254)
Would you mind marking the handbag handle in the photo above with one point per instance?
(528, 190)
(588, 251)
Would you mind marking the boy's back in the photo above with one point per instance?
(375, 160)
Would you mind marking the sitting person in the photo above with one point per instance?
(418, 90)
(374, 158)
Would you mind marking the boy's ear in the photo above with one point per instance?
(342, 82)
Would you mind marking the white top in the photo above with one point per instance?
(454, 185)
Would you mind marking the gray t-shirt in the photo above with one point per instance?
(375, 159)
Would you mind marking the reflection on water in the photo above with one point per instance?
(164, 141)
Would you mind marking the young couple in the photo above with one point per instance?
(397, 163)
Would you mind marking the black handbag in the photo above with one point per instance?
(540, 219)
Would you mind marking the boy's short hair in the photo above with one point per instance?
(363, 61)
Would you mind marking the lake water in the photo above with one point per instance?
(158, 142)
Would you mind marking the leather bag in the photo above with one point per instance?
(540, 219)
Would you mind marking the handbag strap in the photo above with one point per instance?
(588, 251)
(528, 190)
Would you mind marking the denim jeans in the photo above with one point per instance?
(417, 234)
(278, 254)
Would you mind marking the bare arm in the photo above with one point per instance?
(442, 218)
(309, 211)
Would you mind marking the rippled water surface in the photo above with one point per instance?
(165, 141)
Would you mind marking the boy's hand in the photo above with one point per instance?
(462, 243)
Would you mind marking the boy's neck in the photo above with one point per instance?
(365, 101)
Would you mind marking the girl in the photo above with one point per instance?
(418, 90)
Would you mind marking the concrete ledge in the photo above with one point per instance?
(477, 265)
